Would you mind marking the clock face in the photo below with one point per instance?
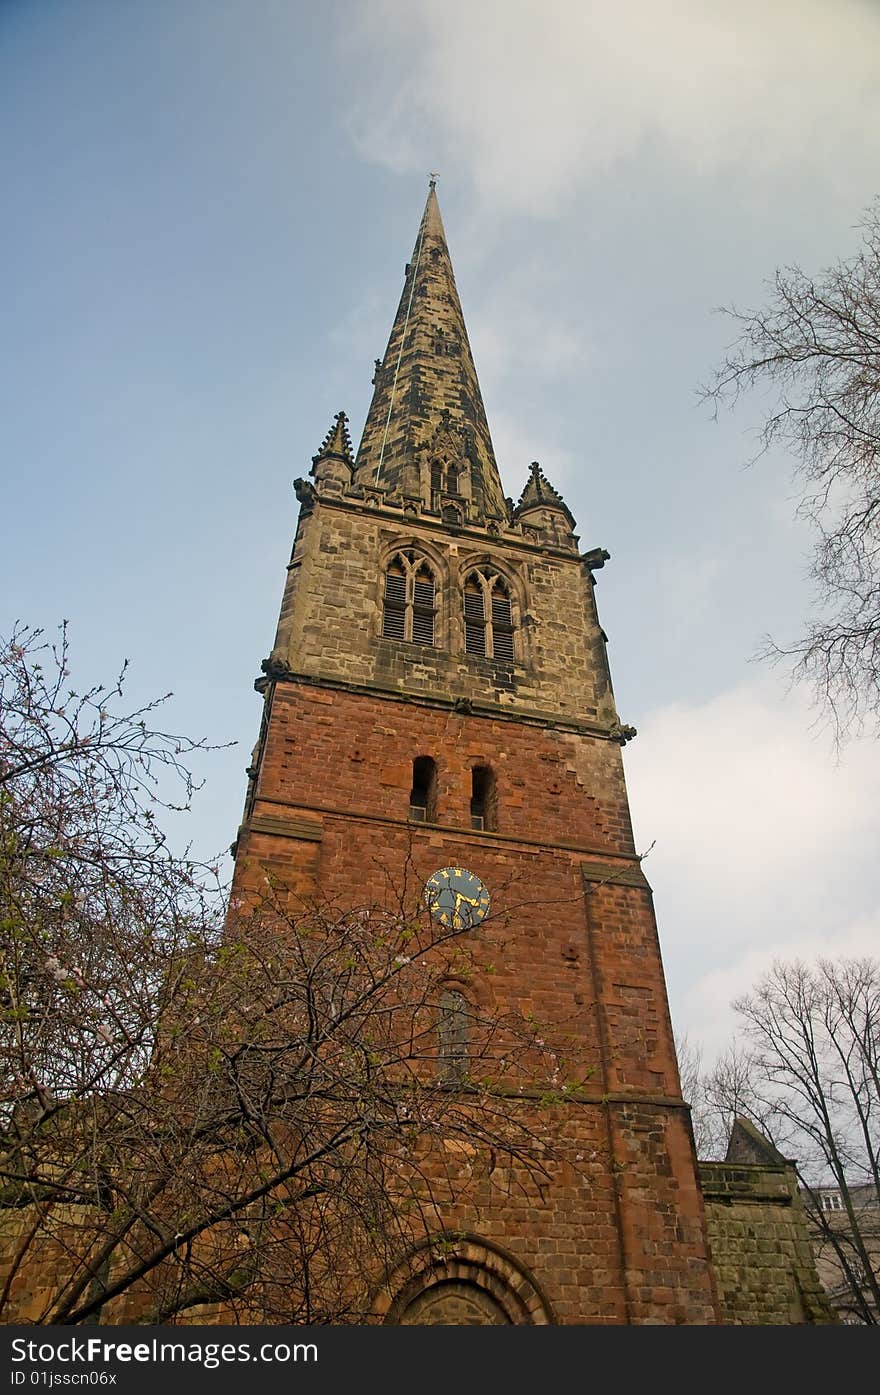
(456, 898)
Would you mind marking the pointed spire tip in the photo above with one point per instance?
(337, 442)
(428, 361)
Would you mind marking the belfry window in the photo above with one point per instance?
(423, 607)
(488, 617)
(409, 603)
(502, 623)
(474, 618)
(446, 477)
(453, 1034)
(394, 617)
(423, 795)
(484, 799)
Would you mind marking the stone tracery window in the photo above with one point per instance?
(409, 603)
(488, 616)
(447, 475)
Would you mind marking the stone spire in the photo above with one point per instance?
(426, 434)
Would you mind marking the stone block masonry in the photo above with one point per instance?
(571, 942)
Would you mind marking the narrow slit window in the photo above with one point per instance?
(423, 795)
(484, 800)
(453, 1035)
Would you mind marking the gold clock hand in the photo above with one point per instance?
(461, 899)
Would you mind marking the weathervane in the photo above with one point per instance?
(432, 179)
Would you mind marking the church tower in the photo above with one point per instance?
(438, 697)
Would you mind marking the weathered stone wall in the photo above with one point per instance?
(33, 1260)
(41, 1251)
(331, 617)
(760, 1247)
(572, 1263)
(352, 753)
(617, 1234)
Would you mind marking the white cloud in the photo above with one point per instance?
(705, 1003)
(766, 844)
(534, 97)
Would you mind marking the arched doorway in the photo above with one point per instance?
(453, 1304)
(461, 1283)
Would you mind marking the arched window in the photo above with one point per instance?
(452, 1030)
(410, 600)
(474, 616)
(423, 795)
(446, 477)
(488, 617)
(423, 606)
(484, 799)
(394, 616)
(502, 622)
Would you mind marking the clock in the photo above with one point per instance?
(456, 898)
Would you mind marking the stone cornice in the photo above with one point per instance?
(604, 867)
(275, 671)
(411, 513)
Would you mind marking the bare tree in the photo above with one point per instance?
(91, 893)
(256, 1109)
(817, 344)
(810, 1080)
(716, 1095)
(296, 1127)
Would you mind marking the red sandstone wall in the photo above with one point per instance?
(619, 1235)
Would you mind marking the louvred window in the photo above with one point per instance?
(410, 601)
(488, 617)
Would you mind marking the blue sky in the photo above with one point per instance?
(208, 205)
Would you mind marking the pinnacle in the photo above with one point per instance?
(538, 488)
(539, 491)
(337, 442)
